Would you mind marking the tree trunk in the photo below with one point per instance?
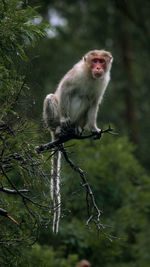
(130, 113)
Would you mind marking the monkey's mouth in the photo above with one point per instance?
(98, 74)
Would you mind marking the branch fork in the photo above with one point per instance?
(93, 211)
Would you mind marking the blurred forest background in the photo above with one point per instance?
(37, 47)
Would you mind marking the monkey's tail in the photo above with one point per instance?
(55, 187)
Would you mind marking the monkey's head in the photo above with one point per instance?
(98, 62)
(83, 263)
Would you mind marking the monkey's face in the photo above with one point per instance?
(98, 67)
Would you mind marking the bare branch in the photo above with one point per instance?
(11, 191)
(85, 184)
(5, 214)
(69, 136)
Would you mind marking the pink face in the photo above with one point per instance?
(98, 66)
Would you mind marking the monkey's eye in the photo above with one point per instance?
(95, 60)
(102, 60)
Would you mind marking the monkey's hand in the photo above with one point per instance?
(97, 133)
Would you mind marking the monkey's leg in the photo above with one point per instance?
(50, 112)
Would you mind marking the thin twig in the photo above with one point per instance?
(20, 193)
(88, 189)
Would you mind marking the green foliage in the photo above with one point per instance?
(18, 169)
(18, 31)
(49, 257)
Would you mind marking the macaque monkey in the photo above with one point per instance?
(75, 104)
(83, 263)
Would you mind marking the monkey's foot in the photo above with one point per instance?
(97, 134)
(78, 130)
(65, 126)
(67, 130)
(65, 123)
(71, 130)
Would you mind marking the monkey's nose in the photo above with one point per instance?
(100, 70)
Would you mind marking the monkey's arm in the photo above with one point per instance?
(91, 118)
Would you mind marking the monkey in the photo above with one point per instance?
(83, 263)
(75, 104)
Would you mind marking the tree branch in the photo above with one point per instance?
(88, 190)
(12, 192)
(69, 136)
(5, 214)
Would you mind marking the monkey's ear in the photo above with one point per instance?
(84, 58)
(111, 59)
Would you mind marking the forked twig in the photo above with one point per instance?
(88, 190)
